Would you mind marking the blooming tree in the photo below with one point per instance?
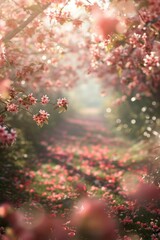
(127, 57)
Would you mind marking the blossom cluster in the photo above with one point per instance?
(44, 99)
(17, 101)
(12, 107)
(151, 60)
(62, 103)
(7, 137)
(41, 117)
(127, 59)
(27, 101)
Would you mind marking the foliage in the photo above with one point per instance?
(135, 118)
(12, 162)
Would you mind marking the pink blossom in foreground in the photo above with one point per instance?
(62, 102)
(91, 219)
(46, 227)
(44, 99)
(27, 101)
(12, 107)
(147, 192)
(41, 117)
(107, 25)
(32, 100)
(4, 89)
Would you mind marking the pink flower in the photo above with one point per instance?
(151, 61)
(27, 101)
(107, 25)
(7, 137)
(20, 100)
(62, 102)
(44, 99)
(146, 192)
(41, 118)
(32, 100)
(11, 107)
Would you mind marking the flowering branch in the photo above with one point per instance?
(12, 34)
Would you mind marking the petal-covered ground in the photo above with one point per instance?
(81, 159)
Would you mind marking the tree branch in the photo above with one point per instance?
(12, 34)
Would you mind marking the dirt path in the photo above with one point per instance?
(81, 149)
(81, 157)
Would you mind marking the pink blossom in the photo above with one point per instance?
(62, 102)
(20, 100)
(28, 100)
(32, 100)
(44, 99)
(151, 60)
(41, 117)
(7, 137)
(12, 107)
(4, 90)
